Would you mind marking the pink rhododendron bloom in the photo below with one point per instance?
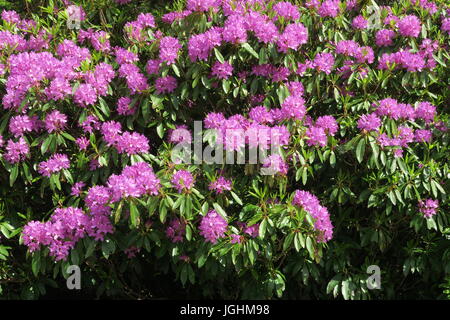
(212, 226)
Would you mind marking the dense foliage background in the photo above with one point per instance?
(365, 149)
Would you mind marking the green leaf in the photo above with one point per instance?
(13, 175)
(263, 228)
(36, 263)
(219, 56)
(160, 130)
(134, 214)
(108, 248)
(219, 210)
(247, 47)
(236, 198)
(360, 149)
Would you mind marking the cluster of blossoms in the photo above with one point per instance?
(182, 180)
(125, 142)
(16, 151)
(220, 185)
(319, 213)
(176, 230)
(213, 226)
(428, 207)
(56, 163)
(391, 108)
(135, 181)
(64, 229)
(68, 225)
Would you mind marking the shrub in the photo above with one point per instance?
(128, 148)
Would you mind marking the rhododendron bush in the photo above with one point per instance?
(128, 136)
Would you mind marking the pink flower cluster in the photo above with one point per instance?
(64, 229)
(56, 163)
(311, 204)
(126, 142)
(428, 207)
(182, 180)
(212, 226)
(220, 185)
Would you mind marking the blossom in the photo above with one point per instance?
(316, 136)
(293, 36)
(383, 37)
(286, 10)
(422, 135)
(182, 180)
(85, 95)
(294, 107)
(176, 230)
(276, 164)
(55, 121)
(124, 108)
(425, 111)
(222, 70)
(409, 26)
(369, 122)
(16, 151)
(201, 5)
(77, 188)
(212, 226)
(320, 214)
(234, 30)
(329, 8)
(261, 115)
(328, 123)
(428, 207)
(324, 62)
(180, 134)
(359, 22)
(132, 143)
(56, 163)
(220, 185)
(152, 66)
(168, 49)
(18, 125)
(165, 84)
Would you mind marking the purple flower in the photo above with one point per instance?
(182, 180)
(425, 111)
(165, 84)
(176, 230)
(293, 37)
(409, 26)
(369, 122)
(213, 226)
(16, 151)
(222, 70)
(123, 106)
(85, 95)
(275, 164)
(287, 10)
(422, 135)
(293, 107)
(327, 123)
(329, 8)
(220, 185)
(324, 62)
(180, 134)
(168, 49)
(428, 207)
(56, 163)
(359, 22)
(55, 121)
(82, 143)
(311, 204)
(18, 125)
(383, 37)
(316, 136)
(77, 188)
